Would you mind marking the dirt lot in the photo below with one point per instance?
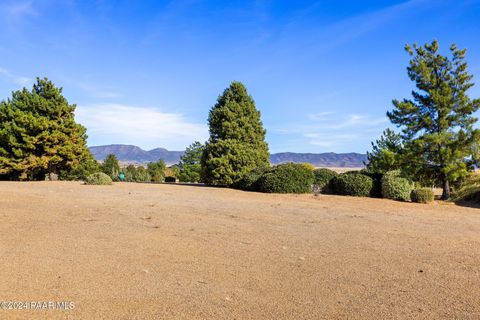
(139, 251)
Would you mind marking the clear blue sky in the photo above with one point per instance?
(323, 73)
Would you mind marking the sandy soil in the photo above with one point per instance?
(139, 251)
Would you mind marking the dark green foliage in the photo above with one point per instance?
(38, 134)
(98, 178)
(386, 153)
(423, 195)
(396, 187)
(377, 182)
(237, 139)
(111, 167)
(86, 167)
(353, 184)
(249, 181)
(170, 179)
(437, 124)
(156, 170)
(190, 167)
(286, 178)
(323, 180)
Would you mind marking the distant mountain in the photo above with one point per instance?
(136, 155)
(330, 159)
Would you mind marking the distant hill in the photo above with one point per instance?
(330, 159)
(136, 155)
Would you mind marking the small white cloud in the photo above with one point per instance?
(355, 120)
(145, 127)
(20, 80)
(333, 132)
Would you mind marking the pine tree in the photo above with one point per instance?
(190, 168)
(111, 167)
(386, 152)
(237, 138)
(38, 134)
(438, 123)
(156, 170)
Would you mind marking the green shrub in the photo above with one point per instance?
(377, 182)
(250, 181)
(98, 178)
(353, 184)
(469, 189)
(423, 195)
(286, 178)
(170, 179)
(396, 187)
(323, 180)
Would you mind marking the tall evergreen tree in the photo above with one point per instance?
(385, 154)
(438, 123)
(237, 138)
(38, 134)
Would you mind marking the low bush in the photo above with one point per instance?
(396, 187)
(323, 180)
(423, 195)
(469, 189)
(98, 178)
(286, 178)
(377, 182)
(353, 184)
(249, 181)
(170, 179)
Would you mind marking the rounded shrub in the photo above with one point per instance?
(286, 178)
(377, 182)
(98, 178)
(396, 187)
(249, 182)
(423, 195)
(353, 184)
(323, 178)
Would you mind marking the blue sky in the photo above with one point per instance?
(323, 73)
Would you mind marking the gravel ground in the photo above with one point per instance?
(140, 251)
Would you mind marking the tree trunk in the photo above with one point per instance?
(53, 173)
(446, 189)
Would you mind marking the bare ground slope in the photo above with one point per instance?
(139, 251)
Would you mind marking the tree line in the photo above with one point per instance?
(437, 142)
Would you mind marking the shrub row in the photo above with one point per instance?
(298, 178)
(283, 178)
(353, 184)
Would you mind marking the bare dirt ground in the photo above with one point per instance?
(139, 251)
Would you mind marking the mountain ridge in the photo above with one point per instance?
(136, 155)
